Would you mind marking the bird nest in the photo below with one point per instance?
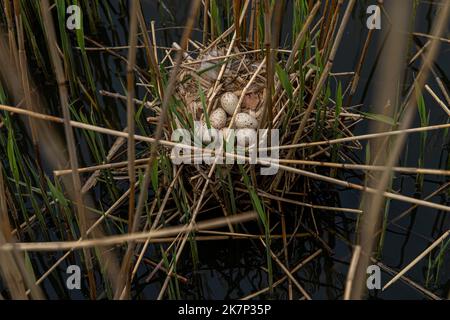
(211, 87)
(221, 89)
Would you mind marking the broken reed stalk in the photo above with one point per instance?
(362, 58)
(351, 272)
(64, 99)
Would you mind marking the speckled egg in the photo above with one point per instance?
(218, 118)
(229, 102)
(244, 120)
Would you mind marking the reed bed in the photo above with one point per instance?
(87, 171)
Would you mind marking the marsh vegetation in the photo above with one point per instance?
(87, 176)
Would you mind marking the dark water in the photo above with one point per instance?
(233, 269)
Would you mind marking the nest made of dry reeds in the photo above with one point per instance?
(213, 73)
(208, 73)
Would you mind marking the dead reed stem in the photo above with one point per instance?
(119, 239)
(64, 98)
(131, 144)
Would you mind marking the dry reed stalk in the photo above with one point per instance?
(256, 32)
(419, 52)
(150, 48)
(131, 150)
(432, 36)
(5, 225)
(120, 239)
(267, 117)
(237, 235)
(131, 145)
(288, 273)
(280, 281)
(285, 248)
(55, 144)
(351, 272)
(64, 98)
(237, 25)
(302, 204)
(93, 179)
(443, 89)
(272, 39)
(10, 274)
(251, 25)
(224, 66)
(405, 170)
(439, 101)
(331, 9)
(360, 137)
(362, 58)
(301, 35)
(205, 21)
(407, 281)
(11, 38)
(417, 259)
(156, 221)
